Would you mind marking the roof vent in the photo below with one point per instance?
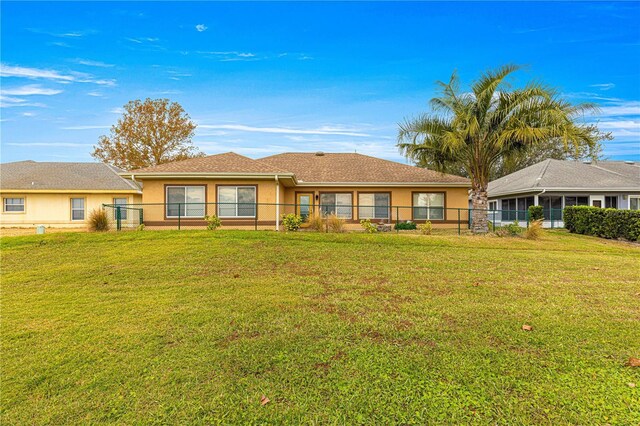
(586, 162)
(629, 162)
(319, 154)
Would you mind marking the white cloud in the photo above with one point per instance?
(10, 101)
(604, 86)
(91, 63)
(29, 114)
(201, 27)
(118, 110)
(325, 130)
(95, 94)
(36, 73)
(30, 89)
(11, 71)
(229, 56)
(141, 40)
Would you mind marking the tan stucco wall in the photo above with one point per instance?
(154, 192)
(54, 209)
(401, 197)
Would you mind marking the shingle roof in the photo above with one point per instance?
(355, 168)
(31, 175)
(229, 162)
(565, 175)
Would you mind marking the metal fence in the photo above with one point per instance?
(268, 216)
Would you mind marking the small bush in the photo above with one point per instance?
(368, 227)
(425, 228)
(510, 230)
(291, 222)
(213, 222)
(405, 226)
(534, 231)
(335, 224)
(140, 227)
(315, 222)
(536, 213)
(605, 223)
(99, 221)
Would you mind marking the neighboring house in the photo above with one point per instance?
(247, 192)
(60, 194)
(556, 184)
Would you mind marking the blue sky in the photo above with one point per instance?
(262, 78)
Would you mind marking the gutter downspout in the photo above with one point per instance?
(277, 204)
(536, 202)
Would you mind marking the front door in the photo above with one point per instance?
(304, 204)
(597, 200)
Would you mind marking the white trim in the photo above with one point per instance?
(562, 190)
(4, 205)
(629, 201)
(218, 202)
(167, 203)
(384, 184)
(84, 208)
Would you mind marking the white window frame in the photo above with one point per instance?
(637, 197)
(84, 208)
(185, 216)
(123, 212)
(336, 205)
(374, 206)
(428, 206)
(4, 205)
(236, 187)
(493, 205)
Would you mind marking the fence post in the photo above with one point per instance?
(397, 218)
(458, 221)
(551, 214)
(255, 218)
(494, 221)
(526, 215)
(178, 216)
(141, 217)
(118, 219)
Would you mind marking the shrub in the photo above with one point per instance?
(403, 226)
(335, 224)
(425, 228)
(140, 227)
(291, 222)
(536, 213)
(534, 231)
(316, 222)
(98, 220)
(368, 227)
(510, 230)
(605, 223)
(213, 222)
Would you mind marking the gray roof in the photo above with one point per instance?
(33, 175)
(569, 176)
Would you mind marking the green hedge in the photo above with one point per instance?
(605, 223)
(536, 213)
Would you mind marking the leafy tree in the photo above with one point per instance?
(553, 148)
(476, 131)
(152, 132)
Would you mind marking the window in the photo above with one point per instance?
(336, 203)
(374, 206)
(509, 207)
(237, 201)
(576, 201)
(121, 202)
(14, 205)
(185, 201)
(634, 203)
(493, 205)
(77, 209)
(551, 204)
(428, 206)
(523, 207)
(611, 202)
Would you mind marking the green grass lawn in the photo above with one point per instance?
(194, 327)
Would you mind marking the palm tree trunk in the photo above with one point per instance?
(479, 200)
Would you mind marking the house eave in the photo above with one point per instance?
(385, 184)
(625, 190)
(70, 191)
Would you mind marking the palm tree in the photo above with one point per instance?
(482, 128)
